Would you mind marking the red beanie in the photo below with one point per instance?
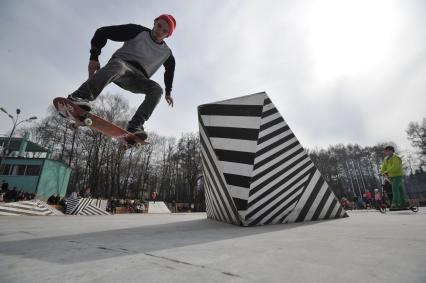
(170, 21)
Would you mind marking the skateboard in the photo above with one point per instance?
(80, 117)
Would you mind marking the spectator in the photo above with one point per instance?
(392, 169)
(154, 196)
(4, 186)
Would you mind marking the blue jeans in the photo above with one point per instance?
(129, 78)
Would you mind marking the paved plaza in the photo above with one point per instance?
(366, 247)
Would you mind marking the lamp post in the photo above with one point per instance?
(15, 125)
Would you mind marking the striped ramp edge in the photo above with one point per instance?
(253, 162)
(86, 206)
(31, 208)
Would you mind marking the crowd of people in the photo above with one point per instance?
(14, 194)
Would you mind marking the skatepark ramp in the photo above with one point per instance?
(86, 206)
(255, 170)
(157, 207)
(30, 207)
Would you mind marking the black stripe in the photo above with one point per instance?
(270, 210)
(275, 144)
(339, 212)
(282, 171)
(232, 133)
(271, 123)
(273, 134)
(267, 195)
(321, 204)
(235, 156)
(223, 186)
(275, 155)
(269, 112)
(237, 180)
(330, 209)
(267, 101)
(278, 164)
(309, 202)
(231, 110)
(241, 204)
(291, 203)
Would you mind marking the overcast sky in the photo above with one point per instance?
(338, 71)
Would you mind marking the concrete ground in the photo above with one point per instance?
(366, 247)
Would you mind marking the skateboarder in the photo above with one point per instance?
(392, 168)
(131, 66)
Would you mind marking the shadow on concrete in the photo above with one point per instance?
(145, 239)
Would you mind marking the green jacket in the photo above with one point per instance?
(392, 166)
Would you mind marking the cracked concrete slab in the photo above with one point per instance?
(367, 246)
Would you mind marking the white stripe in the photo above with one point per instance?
(231, 121)
(252, 99)
(270, 118)
(239, 192)
(278, 159)
(304, 198)
(237, 168)
(281, 167)
(234, 144)
(274, 139)
(275, 150)
(316, 202)
(272, 129)
(326, 206)
(268, 107)
(334, 212)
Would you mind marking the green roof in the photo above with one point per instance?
(16, 142)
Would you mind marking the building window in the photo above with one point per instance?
(32, 170)
(5, 169)
(18, 169)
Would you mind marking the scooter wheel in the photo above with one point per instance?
(415, 208)
(88, 122)
(383, 209)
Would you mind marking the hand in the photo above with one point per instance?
(93, 67)
(169, 100)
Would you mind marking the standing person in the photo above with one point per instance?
(377, 198)
(154, 196)
(131, 66)
(4, 186)
(392, 168)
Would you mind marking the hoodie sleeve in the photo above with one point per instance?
(169, 65)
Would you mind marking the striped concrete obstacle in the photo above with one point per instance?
(30, 207)
(157, 207)
(86, 206)
(255, 170)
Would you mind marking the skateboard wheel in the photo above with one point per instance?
(88, 122)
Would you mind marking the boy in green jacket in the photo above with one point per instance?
(392, 168)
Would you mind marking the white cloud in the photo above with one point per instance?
(230, 48)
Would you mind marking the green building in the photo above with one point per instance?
(28, 167)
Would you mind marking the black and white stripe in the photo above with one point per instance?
(267, 172)
(86, 206)
(30, 207)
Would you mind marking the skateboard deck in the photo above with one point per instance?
(81, 117)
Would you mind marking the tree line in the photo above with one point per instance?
(172, 167)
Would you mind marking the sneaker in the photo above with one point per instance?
(139, 132)
(81, 102)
